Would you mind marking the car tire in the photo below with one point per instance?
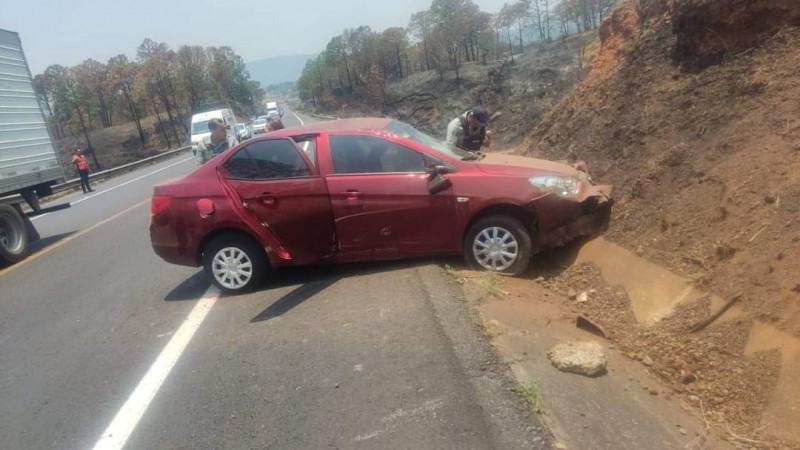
(235, 263)
(13, 235)
(498, 243)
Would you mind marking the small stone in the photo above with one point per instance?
(582, 357)
(583, 297)
(770, 199)
(653, 392)
(681, 431)
(336, 386)
(571, 294)
(647, 361)
(539, 280)
(694, 399)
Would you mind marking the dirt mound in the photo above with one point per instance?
(705, 162)
(708, 30)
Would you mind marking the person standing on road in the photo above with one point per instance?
(469, 131)
(217, 142)
(82, 166)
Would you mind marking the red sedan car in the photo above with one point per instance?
(366, 189)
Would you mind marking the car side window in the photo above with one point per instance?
(369, 154)
(267, 160)
(309, 146)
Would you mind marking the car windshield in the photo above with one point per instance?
(406, 131)
(200, 127)
(259, 122)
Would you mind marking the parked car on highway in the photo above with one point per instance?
(367, 189)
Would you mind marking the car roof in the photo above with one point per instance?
(208, 115)
(336, 126)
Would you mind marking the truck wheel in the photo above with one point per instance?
(13, 235)
(235, 263)
(499, 244)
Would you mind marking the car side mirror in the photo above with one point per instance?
(438, 184)
(437, 169)
(228, 127)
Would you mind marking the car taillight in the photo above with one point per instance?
(158, 204)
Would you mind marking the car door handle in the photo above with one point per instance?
(267, 199)
(351, 194)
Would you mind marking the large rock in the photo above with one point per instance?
(581, 357)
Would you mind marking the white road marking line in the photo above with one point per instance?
(118, 433)
(120, 185)
(297, 117)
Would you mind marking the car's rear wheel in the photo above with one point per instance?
(498, 243)
(235, 263)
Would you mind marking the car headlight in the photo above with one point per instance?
(559, 185)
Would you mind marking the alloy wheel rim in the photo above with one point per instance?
(232, 268)
(495, 249)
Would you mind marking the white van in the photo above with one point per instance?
(200, 124)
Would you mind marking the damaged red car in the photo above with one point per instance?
(367, 189)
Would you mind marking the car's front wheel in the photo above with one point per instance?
(235, 263)
(499, 244)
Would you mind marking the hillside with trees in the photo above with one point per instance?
(359, 70)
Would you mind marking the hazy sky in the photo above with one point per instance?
(69, 31)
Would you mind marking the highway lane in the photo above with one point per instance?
(320, 357)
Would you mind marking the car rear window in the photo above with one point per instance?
(353, 154)
(267, 160)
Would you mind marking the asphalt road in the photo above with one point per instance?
(104, 345)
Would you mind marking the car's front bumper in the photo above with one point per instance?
(583, 216)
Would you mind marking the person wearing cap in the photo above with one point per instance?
(469, 131)
(216, 143)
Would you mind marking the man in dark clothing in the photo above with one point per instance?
(469, 131)
(217, 142)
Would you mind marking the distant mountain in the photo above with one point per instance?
(278, 69)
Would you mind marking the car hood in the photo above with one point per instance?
(503, 164)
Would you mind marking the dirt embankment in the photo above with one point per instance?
(691, 111)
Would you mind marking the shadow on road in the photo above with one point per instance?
(191, 289)
(294, 298)
(42, 243)
(314, 279)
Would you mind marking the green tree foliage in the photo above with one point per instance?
(168, 84)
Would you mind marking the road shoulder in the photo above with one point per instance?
(511, 422)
